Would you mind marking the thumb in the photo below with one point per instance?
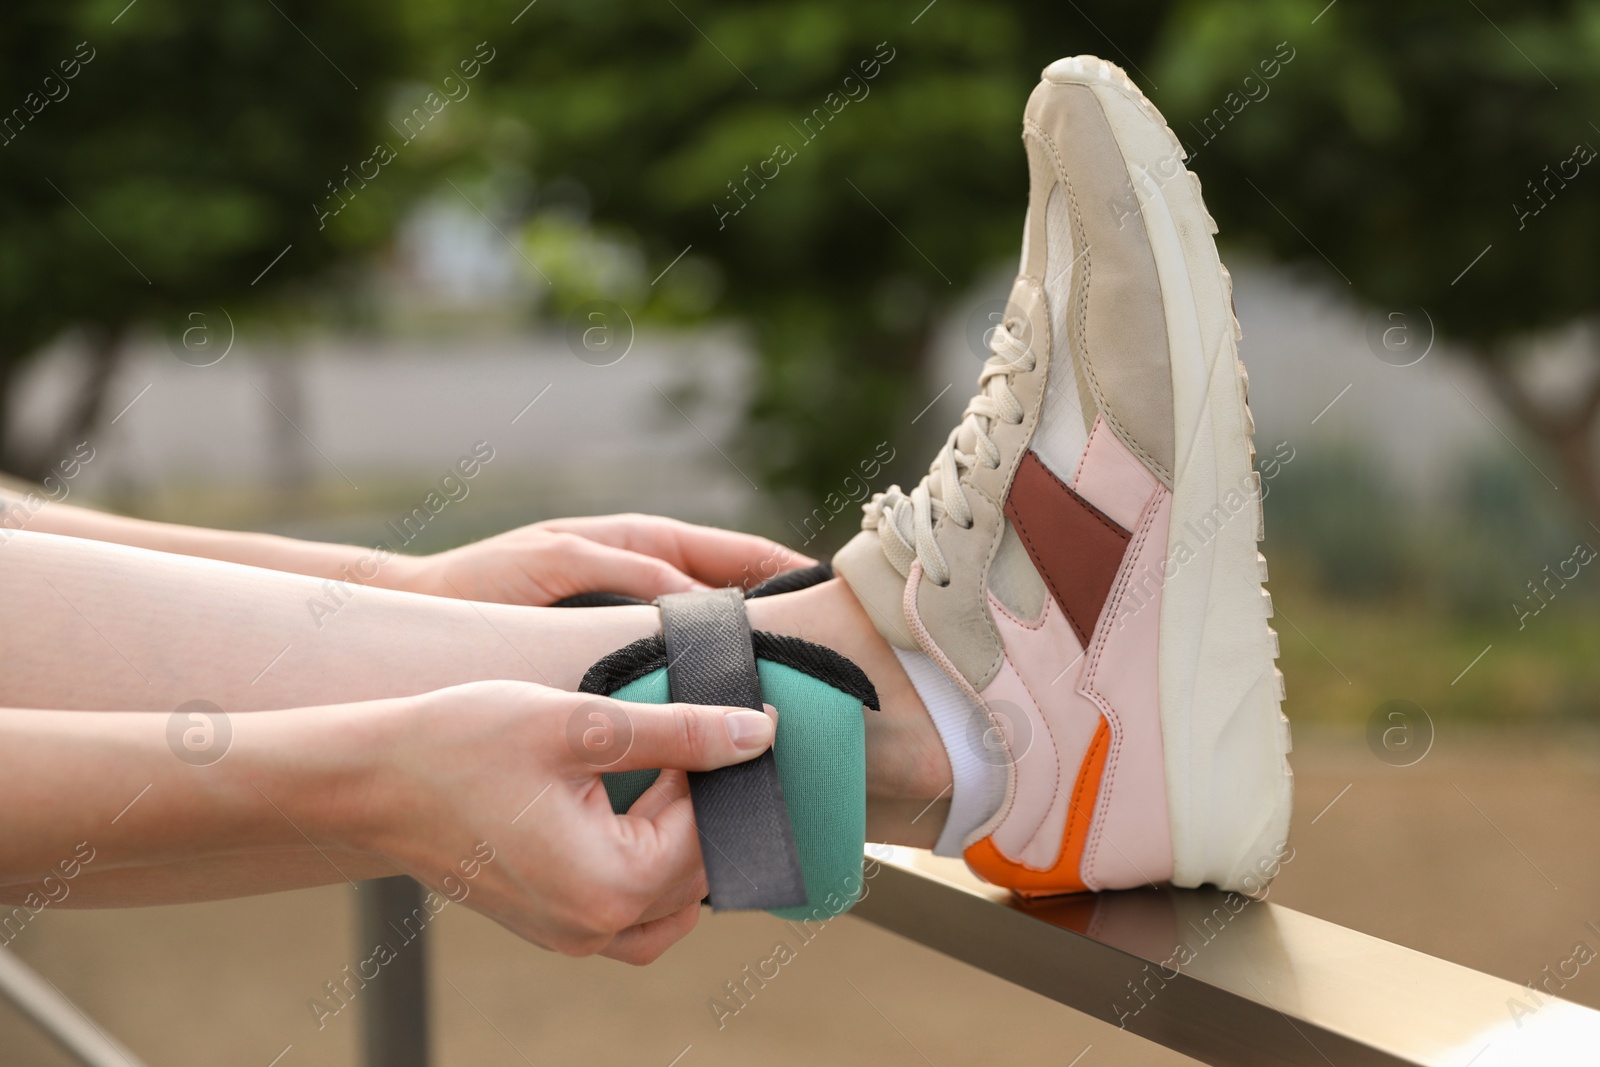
(689, 737)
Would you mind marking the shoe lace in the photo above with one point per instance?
(905, 521)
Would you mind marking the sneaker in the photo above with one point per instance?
(1074, 588)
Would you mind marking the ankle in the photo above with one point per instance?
(579, 638)
(907, 767)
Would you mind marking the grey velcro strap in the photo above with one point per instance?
(745, 834)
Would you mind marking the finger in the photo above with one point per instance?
(658, 855)
(591, 566)
(646, 942)
(716, 557)
(668, 788)
(690, 891)
(657, 843)
(727, 557)
(690, 737)
(671, 790)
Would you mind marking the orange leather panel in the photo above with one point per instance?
(1066, 876)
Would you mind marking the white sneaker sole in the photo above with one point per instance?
(1226, 740)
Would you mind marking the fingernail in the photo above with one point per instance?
(750, 731)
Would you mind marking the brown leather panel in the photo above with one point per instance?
(1076, 547)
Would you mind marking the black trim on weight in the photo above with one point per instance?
(599, 600)
(819, 661)
(632, 662)
(624, 666)
(789, 581)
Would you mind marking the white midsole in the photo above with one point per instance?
(1224, 736)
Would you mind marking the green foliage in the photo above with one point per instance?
(187, 151)
(1351, 534)
(1344, 659)
(1347, 519)
(1390, 142)
(1398, 144)
(836, 243)
(1389, 151)
(1502, 530)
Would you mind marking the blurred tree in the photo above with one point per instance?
(1387, 147)
(155, 158)
(843, 170)
(836, 172)
(1428, 155)
(1344, 517)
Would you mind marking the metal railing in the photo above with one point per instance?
(42, 1004)
(1227, 980)
(1215, 976)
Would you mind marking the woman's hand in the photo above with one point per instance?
(643, 556)
(489, 793)
(512, 770)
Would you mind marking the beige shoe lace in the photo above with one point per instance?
(904, 521)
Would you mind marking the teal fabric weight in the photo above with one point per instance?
(821, 754)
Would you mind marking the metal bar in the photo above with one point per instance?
(37, 998)
(1227, 980)
(394, 1010)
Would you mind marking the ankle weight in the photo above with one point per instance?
(819, 755)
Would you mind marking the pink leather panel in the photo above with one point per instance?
(1112, 478)
(1048, 662)
(1130, 839)
(1037, 770)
